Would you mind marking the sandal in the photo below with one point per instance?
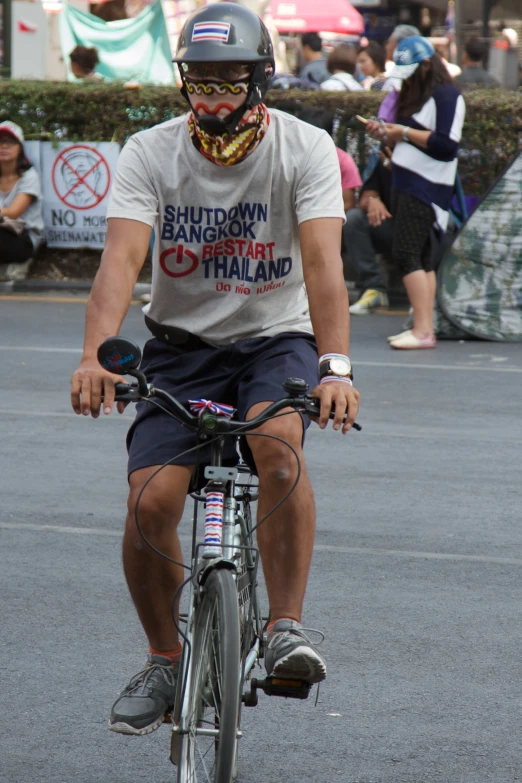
(408, 342)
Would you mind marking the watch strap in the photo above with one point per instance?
(337, 378)
(326, 356)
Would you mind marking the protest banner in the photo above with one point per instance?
(76, 181)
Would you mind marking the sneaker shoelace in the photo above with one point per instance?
(143, 678)
(302, 632)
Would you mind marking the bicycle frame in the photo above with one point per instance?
(235, 550)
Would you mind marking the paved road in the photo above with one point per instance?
(415, 580)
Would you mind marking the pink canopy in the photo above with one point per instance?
(312, 16)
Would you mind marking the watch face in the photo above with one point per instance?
(340, 367)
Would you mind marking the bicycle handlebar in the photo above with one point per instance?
(129, 392)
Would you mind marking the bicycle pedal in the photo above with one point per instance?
(289, 689)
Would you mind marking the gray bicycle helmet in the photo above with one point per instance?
(227, 32)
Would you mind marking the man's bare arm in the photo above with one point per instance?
(125, 251)
(320, 241)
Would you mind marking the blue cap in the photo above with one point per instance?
(408, 55)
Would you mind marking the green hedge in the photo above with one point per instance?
(60, 111)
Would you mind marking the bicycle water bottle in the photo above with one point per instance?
(213, 524)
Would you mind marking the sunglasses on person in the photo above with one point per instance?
(223, 72)
(8, 140)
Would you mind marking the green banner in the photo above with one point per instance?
(135, 49)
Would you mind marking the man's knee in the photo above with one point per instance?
(161, 503)
(274, 459)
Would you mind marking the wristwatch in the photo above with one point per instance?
(338, 366)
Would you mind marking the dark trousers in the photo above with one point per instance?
(412, 250)
(14, 249)
(362, 243)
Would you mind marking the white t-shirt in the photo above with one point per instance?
(29, 183)
(341, 81)
(227, 260)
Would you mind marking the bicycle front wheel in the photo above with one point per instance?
(208, 752)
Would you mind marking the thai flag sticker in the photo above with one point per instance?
(211, 31)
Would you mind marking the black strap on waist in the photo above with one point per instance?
(174, 336)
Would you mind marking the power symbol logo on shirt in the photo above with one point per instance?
(183, 257)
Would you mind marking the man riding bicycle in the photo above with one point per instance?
(247, 290)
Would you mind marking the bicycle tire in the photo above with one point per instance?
(214, 691)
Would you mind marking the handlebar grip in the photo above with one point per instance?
(121, 388)
(313, 407)
(126, 392)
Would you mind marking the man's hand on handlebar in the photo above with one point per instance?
(345, 399)
(90, 383)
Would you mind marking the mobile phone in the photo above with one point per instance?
(361, 119)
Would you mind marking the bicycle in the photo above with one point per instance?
(223, 627)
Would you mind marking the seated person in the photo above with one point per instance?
(473, 72)
(350, 177)
(342, 63)
(315, 70)
(83, 63)
(369, 230)
(21, 216)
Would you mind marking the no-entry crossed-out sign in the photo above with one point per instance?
(76, 182)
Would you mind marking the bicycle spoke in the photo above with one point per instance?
(202, 757)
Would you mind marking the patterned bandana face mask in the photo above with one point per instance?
(220, 98)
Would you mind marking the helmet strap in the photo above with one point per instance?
(217, 126)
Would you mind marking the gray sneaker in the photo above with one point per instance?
(141, 706)
(291, 654)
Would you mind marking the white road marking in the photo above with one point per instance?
(349, 550)
(360, 363)
(354, 550)
(38, 349)
(406, 433)
(71, 415)
(79, 531)
(459, 367)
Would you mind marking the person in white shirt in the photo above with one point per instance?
(342, 62)
(247, 289)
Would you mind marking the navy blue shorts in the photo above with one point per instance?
(242, 374)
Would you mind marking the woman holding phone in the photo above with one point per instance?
(426, 135)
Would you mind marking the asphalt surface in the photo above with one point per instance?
(416, 578)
